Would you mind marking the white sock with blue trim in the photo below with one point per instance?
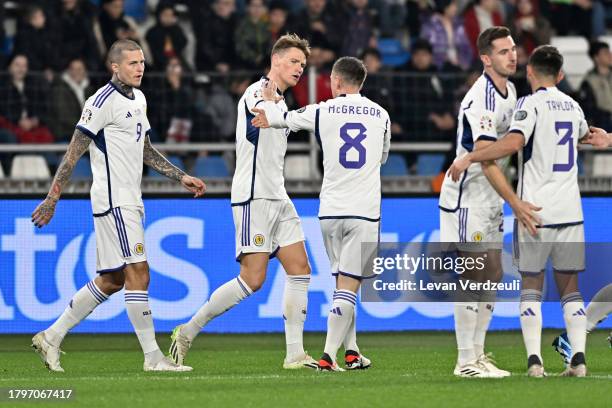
(222, 299)
(575, 321)
(531, 321)
(139, 312)
(295, 304)
(486, 305)
(466, 320)
(339, 320)
(81, 305)
(350, 340)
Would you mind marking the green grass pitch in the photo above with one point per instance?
(409, 369)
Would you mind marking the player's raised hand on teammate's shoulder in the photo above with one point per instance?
(44, 212)
(260, 120)
(458, 167)
(194, 184)
(525, 213)
(269, 91)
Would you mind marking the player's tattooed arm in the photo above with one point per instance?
(153, 158)
(45, 210)
(156, 160)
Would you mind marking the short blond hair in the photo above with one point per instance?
(115, 54)
(291, 41)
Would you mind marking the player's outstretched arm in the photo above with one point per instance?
(510, 144)
(153, 158)
(78, 145)
(597, 137)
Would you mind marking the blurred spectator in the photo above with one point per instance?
(22, 104)
(214, 30)
(68, 95)
(391, 16)
(166, 38)
(221, 106)
(115, 25)
(480, 16)
(172, 113)
(415, 10)
(359, 33)
(277, 19)
(596, 89)
(74, 27)
(378, 86)
(529, 28)
(425, 111)
(322, 28)
(37, 40)
(252, 37)
(577, 17)
(446, 33)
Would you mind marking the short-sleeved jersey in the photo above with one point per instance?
(260, 153)
(354, 134)
(118, 125)
(485, 114)
(552, 123)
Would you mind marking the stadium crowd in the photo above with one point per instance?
(202, 54)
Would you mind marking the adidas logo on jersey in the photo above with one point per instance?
(528, 312)
(129, 115)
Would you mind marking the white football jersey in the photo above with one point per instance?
(354, 134)
(552, 123)
(260, 153)
(118, 125)
(485, 114)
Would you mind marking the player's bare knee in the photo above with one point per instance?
(254, 277)
(137, 276)
(110, 283)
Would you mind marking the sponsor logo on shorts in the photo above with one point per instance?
(477, 236)
(259, 240)
(139, 248)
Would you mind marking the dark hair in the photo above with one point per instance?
(486, 38)
(421, 45)
(370, 51)
(291, 41)
(441, 5)
(350, 69)
(278, 5)
(546, 60)
(116, 50)
(597, 46)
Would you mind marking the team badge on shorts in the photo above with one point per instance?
(477, 236)
(139, 248)
(259, 240)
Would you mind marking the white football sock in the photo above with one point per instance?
(222, 299)
(599, 308)
(339, 320)
(486, 306)
(466, 319)
(81, 305)
(295, 304)
(575, 321)
(350, 340)
(531, 321)
(139, 312)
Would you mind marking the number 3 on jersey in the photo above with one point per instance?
(566, 139)
(351, 142)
